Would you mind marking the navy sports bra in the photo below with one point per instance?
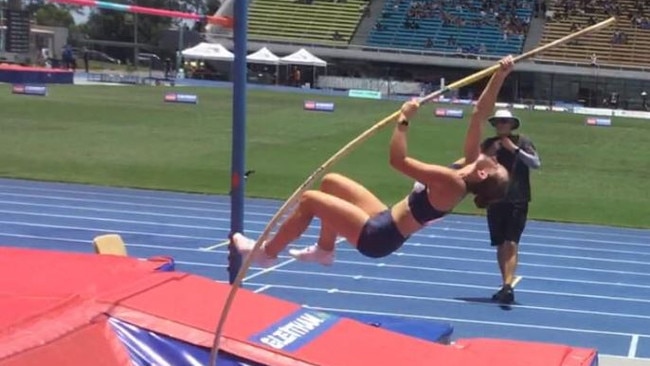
(421, 209)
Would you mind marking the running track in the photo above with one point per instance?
(580, 285)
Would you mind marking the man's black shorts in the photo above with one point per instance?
(506, 221)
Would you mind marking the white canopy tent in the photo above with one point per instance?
(266, 57)
(263, 56)
(303, 57)
(217, 52)
(208, 51)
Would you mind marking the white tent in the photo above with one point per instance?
(263, 56)
(208, 51)
(266, 57)
(303, 57)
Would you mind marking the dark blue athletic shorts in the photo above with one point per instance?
(380, 236)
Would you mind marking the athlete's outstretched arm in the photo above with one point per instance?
(398, 145)
(483, 109)
(406, 165)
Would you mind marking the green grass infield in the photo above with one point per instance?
(127, 136)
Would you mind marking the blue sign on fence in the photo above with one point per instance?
(598, 121)
(38, 90)
(311, 105)
(449, 113)
(181, 98)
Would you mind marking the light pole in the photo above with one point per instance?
(2, 30)
(135, 39)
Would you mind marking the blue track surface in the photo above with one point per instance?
(581, 285)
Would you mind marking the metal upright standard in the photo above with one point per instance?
(238, 167)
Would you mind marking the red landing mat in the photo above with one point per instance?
(54, 305)
(14, 67)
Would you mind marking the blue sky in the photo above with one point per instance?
(79, 18)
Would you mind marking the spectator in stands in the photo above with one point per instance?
(619, 37)
(591, 20)
(507, 218)
(550, 15)
(639, 21)
(644, 23)
(574, 28)
(364, 9)
(409, 23)
(502, 13)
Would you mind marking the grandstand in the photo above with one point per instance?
(432, 33)
(317, 22)
(633, 53)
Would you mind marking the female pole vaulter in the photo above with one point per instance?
(346, 208)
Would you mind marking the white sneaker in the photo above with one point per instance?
(245, 245)
(313, 253)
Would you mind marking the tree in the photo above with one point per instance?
(14, 4)
(212, 6)
(53, 16)
(112, 25)
(208, 7)
(34, 5)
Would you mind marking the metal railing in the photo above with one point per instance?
(432, 53)
(587, 64)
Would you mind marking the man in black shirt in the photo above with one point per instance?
(507, 218)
